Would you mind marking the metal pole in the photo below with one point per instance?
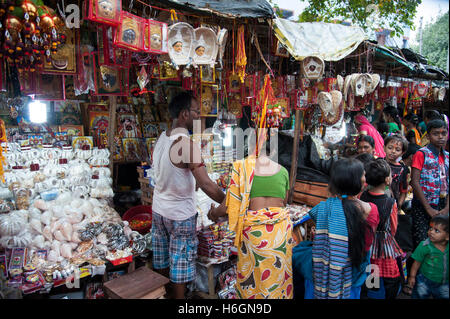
(294, 162)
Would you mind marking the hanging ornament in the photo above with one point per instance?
(241, 58)
(142, 78)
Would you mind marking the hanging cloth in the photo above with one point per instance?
(241, 58)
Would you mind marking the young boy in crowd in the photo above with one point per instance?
(430, 180)
(385, 249)
(429, 272)
(395, 146)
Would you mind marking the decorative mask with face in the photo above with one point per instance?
(178, 46)
(106, 8)
(312, 67)
(441, 94)
(422, 89)
(129, 36)
(326, 104)
(359, 85)
(155, 37)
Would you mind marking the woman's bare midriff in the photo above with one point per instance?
(258, 203)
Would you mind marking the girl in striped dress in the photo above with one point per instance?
(385, 249)
(344, 235)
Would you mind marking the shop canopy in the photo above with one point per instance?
(329, 41)
(410, 64)
(227, 8)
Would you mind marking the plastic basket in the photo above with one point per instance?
(139, 213)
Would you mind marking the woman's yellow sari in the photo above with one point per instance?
(263, 238)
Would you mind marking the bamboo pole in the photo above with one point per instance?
(111, 131)
(294, 162)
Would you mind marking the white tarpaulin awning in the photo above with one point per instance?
(329, 41)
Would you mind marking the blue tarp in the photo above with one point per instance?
(236, 8)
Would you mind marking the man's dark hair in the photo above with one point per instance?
(364, 158)
(433, 124)
(413, 118)
(180, 102)
(398, 138)
(367, 138)
(441, 220)
(412, 149)
(377, 171)
(432, 115)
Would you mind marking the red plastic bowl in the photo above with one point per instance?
(141, 213)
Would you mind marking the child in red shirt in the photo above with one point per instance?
(395, 146)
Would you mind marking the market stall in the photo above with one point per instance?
(81, 108)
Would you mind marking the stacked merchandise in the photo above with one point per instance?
(298, 213)
(56, 218)
(222, 158)
(215, 241)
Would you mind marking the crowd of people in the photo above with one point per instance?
(355, 251)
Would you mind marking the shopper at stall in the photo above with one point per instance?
(366, 144)
(178, 168)
(429, 273)
(430, 180)
(429, 116)
(385, 249)
(345, 227)
(395, 146)
(255, 205)
(390, 116)
(411, 122)
(365, 128)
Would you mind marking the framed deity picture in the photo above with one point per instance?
(110, 80)
(235, 105)
(168, 73)
(233, 82)
(150, 142)
(50, 87)
(67, 106)
(128, 126)
(207, 74)
(64, 60)
(117, 149)
(284, 104)
(131, 149)
(27, 82)
(150, 130)
(155, 71)
(98, 127)
(79, 141)
(72, 130)
(209, 97)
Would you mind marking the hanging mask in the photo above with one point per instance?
(340, 82)
(205, 46)
(313, 67)
(421, 89)
(181, 39)
(358, 83)
(441, 94)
